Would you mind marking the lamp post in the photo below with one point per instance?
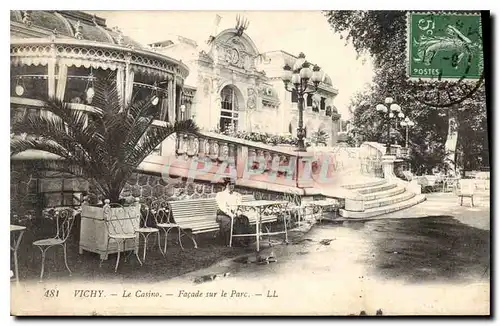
(407, 123)
(391, 112)
(299, 78)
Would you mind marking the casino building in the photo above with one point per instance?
(232, 84)
(224, 81)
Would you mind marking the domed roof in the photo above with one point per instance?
(69, 24)
(86, 40)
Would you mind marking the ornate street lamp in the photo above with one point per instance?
(408, 124)
(299, 78)
(391, 112)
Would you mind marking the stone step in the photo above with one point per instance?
(378, 188)
(384, 194)
(382, 210)
(364, 184)
(388, 200)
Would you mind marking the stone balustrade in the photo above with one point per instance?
(208, 155)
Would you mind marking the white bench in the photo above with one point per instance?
(199, 215)
(196, 215)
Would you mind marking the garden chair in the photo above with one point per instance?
(145, 230)
(295, 206)
(451, 184)
(64, 222)
(164, 221)
(408, 175)
(121, 227)
(482, 181)
(466, 189)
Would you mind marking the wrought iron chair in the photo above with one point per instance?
(164, 221)
(295, 206)
(64, 222)
(121, 227)
(145, 230)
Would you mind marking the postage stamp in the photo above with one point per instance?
(444, 46)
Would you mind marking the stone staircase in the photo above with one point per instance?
(377, 197)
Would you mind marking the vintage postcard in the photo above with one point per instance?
(180, 163)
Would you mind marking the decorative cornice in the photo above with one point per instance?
(109, 54)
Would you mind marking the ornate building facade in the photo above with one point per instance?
(232, 84)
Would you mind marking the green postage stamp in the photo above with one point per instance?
(444, 46)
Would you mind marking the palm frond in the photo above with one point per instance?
(104, 146)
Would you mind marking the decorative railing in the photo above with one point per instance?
(211, 155)
(399, 152)
(371, 154)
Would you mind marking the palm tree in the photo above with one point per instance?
(320, 137)
(104, 146)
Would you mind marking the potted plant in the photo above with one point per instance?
(103, 144)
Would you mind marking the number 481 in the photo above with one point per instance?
(51, 293)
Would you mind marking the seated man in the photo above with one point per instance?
(227, 202)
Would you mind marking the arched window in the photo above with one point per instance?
(290, 128)
(229, 108)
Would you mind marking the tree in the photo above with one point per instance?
(382, 36)
(473, 145)
(104, 146)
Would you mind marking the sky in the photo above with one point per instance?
(291, 31)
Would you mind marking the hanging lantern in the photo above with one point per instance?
(155, 98)
(19, 90)
(90, 92)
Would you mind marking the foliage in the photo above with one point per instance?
(320, 137)
(264, 137)
(104, 146)
(473, 146)
(382, 36)
(23, 201)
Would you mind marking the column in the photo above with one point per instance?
(129, 86)
(129, 80)
(61, 81)
(170, 100)
(51, 72)
(120, 83)
(174, 98)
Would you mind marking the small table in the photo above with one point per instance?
(259, 206)
(13, 230)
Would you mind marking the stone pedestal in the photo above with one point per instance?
(388, 167)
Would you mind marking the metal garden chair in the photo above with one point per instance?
(164, 221)
(295, 206)
(64, 222)
(145, 230)
(121, 227)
